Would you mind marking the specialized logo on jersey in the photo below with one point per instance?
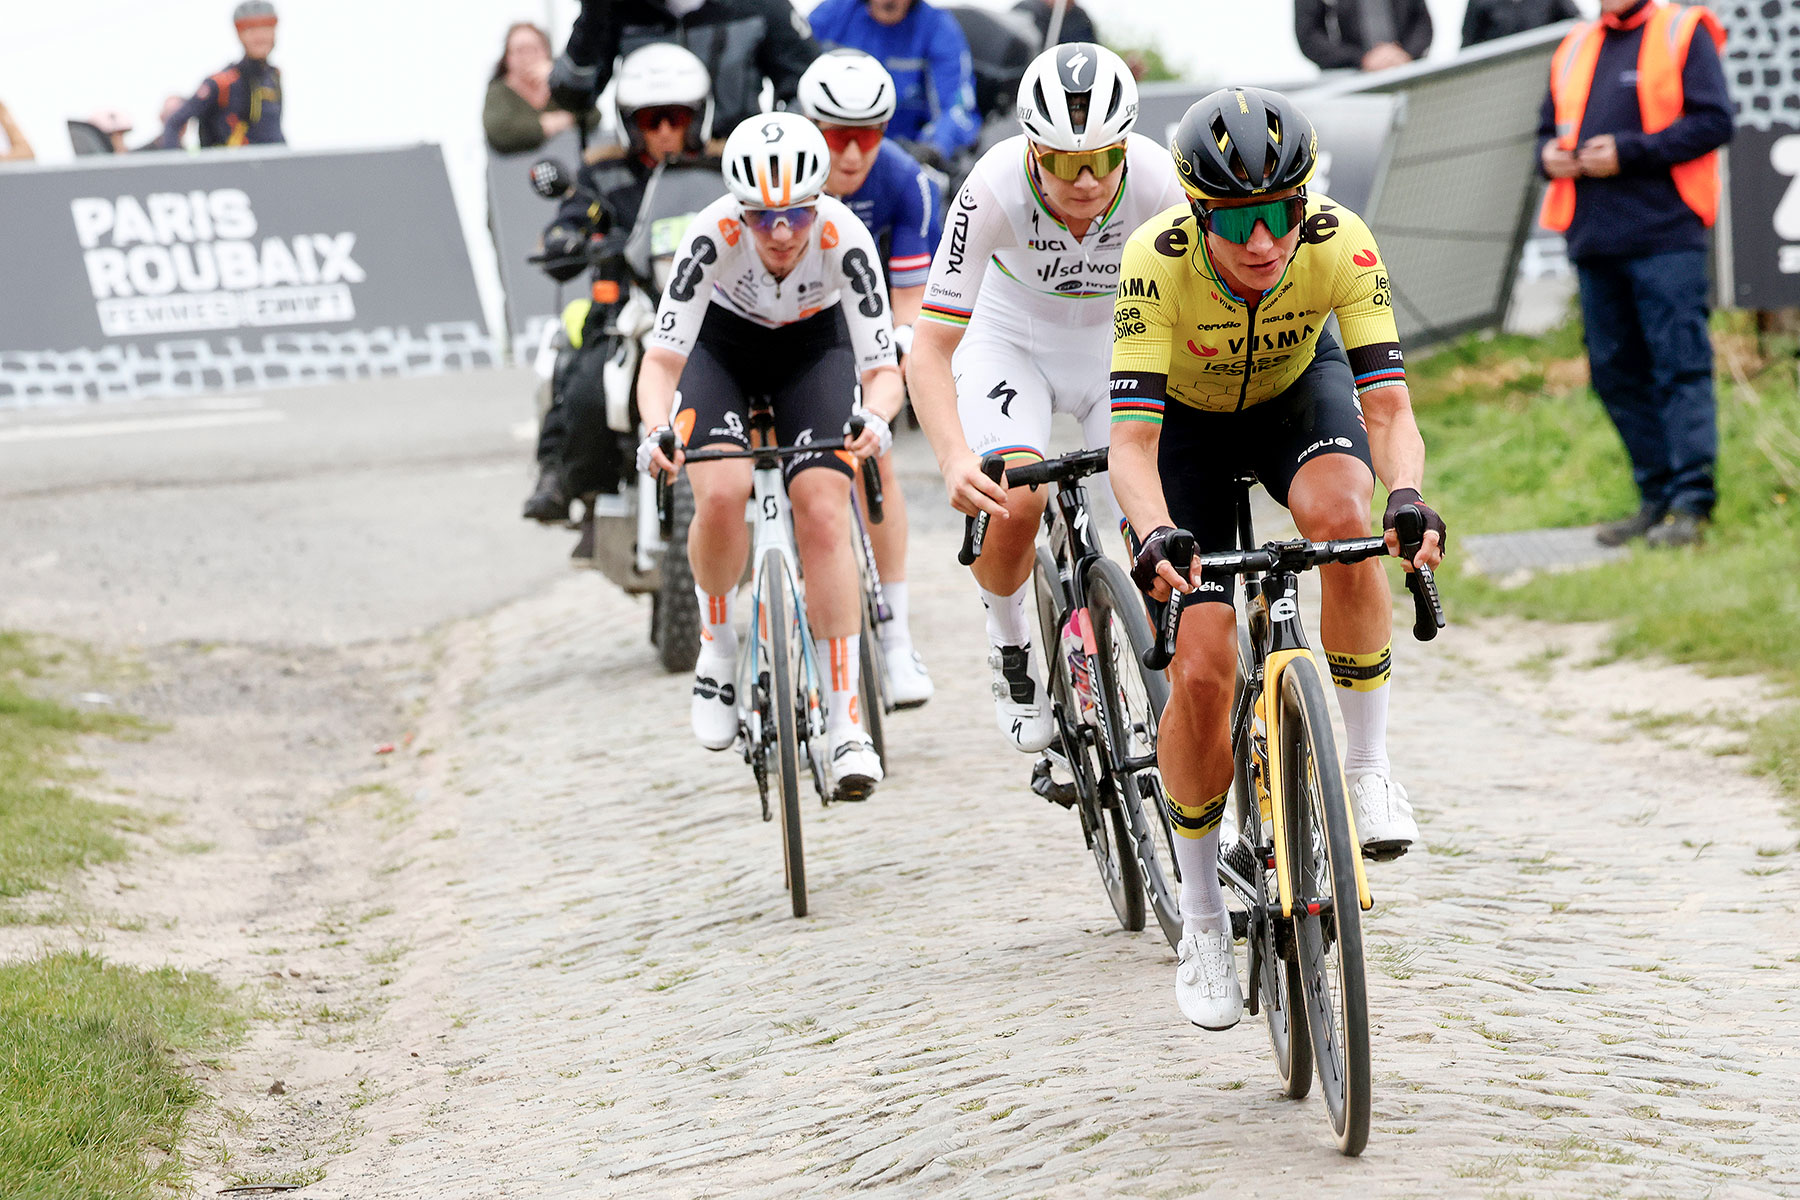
(1364, 258)
(730, 230)
(1005, 396)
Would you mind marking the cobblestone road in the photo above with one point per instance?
(1584, 988)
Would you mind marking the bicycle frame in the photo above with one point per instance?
(1277, 638)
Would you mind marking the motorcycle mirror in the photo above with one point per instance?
(550, 179)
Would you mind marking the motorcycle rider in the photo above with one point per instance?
(775, 293)
(663, 111)
(740, 42)
(850, 97)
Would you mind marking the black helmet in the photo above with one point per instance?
(1243, 142)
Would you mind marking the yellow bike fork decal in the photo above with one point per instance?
(1273, 667)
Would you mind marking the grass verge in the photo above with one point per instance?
(1518, 441)
(93, 1098)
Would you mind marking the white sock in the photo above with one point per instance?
(1362, 690)
(842, 675)
(896, 634)
(717, 634)
(1006, 623)
(1202, 900)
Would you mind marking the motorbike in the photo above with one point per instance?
(630, 547)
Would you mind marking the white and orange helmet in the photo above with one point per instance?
(776, 160)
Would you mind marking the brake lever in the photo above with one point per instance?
(975, 528)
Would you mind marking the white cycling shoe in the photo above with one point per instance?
(1021, 707)
(714, 711)
(909, 685)
(855, 767)
(1384, 817)
(1206, 981)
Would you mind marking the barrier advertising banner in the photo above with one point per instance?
(1760, 240)
(166, 274)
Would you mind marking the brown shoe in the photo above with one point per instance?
(1617, 533)
(1677, 529)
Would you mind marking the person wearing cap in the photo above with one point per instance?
(114, 125)
(850, 97)
(241, 105)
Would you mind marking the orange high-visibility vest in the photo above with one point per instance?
(1661, 56)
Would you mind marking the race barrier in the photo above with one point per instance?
(153, 275)
(1759, 230)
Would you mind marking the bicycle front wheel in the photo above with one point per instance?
(871, 684)
(1327, 908)
(1132, 698)
(779, 626)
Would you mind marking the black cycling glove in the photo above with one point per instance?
(573, 86)
(1155, 549)
(1399, 498)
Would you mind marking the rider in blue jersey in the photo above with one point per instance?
(851, 97)
(924, 49)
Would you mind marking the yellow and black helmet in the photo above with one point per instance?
(1241, 142)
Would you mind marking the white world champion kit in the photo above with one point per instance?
(1036, 301)
(718, 264)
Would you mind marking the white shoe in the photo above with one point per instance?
(908, 684)
(1020, 705)
(1384, 819)
(1206, 982)
(855, 767)
(714, 711)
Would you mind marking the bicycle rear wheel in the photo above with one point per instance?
(1328, 941)
(1102, 815)
(1275, 971)
(1132, 698)
(779, 627)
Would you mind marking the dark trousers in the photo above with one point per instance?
(1651, 360)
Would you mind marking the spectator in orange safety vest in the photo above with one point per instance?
(1629, 137)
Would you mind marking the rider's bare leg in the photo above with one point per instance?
(1194, 754)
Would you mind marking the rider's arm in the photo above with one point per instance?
(712, 239)
(950, 88)
(199, 104)
(977, 228)
(1144, 320)
(658, 376)
(856, 261)
(916, 231)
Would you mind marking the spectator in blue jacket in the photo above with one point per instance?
(923, 48)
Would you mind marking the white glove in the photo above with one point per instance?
(884, 436)
(649, 446)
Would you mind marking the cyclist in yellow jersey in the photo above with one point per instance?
(1222, 363)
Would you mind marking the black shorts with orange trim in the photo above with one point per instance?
(807, 371)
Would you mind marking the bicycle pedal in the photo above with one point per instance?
(1384, 851)
(1045, 785)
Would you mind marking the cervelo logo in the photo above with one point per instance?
(1202, 351)
(177, 262)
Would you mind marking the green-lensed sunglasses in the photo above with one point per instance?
(1236, 224)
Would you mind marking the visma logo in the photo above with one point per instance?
(1364, 258)
(1202, 351)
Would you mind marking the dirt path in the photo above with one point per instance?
(593, 987)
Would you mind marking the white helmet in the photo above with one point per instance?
(658, 74)
(1096, 79)
(848, 87)
(776, 160)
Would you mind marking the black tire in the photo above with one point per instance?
(1133, 698)
(675, 610)
(1328, 945)
(1102, 815)
(871, 685)
(1277, 970)
(783, 655)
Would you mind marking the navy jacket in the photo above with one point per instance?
(1638, 211)
(239, 106)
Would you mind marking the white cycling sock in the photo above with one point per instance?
(1006, 623)
(1362, 692)
(1197, 854)
(896, 634)
(717, 634)
(842, 676)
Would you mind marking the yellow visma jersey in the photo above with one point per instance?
(1180, 333)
